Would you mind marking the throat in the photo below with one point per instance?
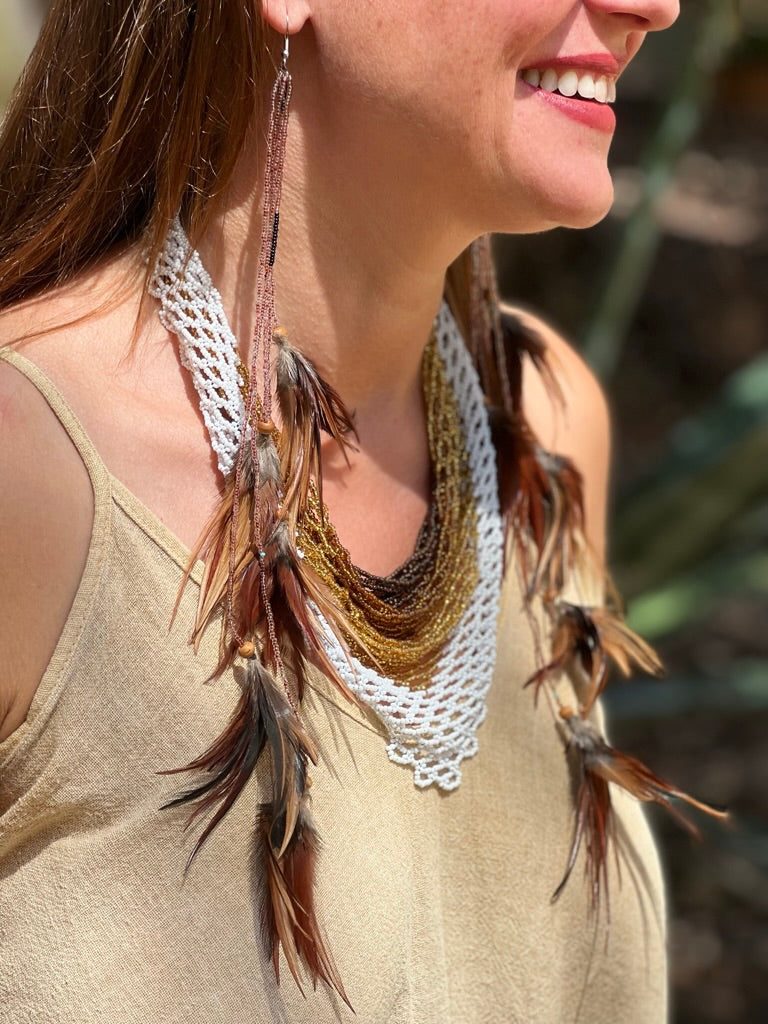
(378, 519)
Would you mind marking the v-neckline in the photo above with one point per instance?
(154, 527)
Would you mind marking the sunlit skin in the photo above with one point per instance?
(429, 96)
(412, 133)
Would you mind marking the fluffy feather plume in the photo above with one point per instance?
(547, 509)
(289, 920)
(286, 838)
(292, 587)
(587, 640)
(230, 761)
(309, 407)
(599, 764)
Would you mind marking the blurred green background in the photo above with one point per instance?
(668, 300)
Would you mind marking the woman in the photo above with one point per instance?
(368, 812)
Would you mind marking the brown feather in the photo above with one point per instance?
(309, 407)
(540, 495)
(264, 719)
(598, 765)
(214, 549)
(588, 639)
(623, 645)
(296, 592)
(289, 919)
(231, 759)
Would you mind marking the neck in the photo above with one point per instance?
(360, 267)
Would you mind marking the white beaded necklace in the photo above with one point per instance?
(434, 729)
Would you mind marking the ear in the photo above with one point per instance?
(275, 12)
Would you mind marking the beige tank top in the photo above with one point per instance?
(437, 906)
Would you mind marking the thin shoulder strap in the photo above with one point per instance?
(97, 471)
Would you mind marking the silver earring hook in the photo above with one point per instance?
(286, 43)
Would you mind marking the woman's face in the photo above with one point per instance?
(493, 107)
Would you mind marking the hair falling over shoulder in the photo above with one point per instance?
(123, 118)
(120, 120)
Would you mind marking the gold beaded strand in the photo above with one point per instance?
(402, 623)
(406, 639)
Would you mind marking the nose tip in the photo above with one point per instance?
(650, 15)
(665, 13)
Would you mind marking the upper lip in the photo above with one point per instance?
(602, 63)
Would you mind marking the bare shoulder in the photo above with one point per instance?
(46, 514)
(580, 427)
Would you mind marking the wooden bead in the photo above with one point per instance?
(247, 650)
(265, 426)
(279, 334)
(308, 783)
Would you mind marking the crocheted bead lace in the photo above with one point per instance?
(433, 730)
(191, 308)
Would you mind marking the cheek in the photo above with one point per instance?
(441, 80)
(448, 54)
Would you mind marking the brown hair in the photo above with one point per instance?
(126, 113)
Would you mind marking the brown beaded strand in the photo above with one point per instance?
(259, 406)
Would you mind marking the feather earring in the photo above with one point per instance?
(272, 602)
(541, 497)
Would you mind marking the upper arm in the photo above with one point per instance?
(46, 516)
(580, 428)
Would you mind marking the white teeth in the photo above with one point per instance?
(568, 84)
(549, 80)
(572, 83)
(587, 87)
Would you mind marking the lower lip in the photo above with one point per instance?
(596, 115)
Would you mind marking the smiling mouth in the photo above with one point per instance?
(582, 85)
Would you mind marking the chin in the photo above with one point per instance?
(578, 208)
(587, 216)
(590, 197)
(579, 201)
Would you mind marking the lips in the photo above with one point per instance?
(580, 87)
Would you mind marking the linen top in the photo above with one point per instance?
(437, 906)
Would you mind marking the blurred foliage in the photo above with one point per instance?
(716, 32)
(717, 464)
(19, 24)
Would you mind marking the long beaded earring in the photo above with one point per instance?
(271, 601)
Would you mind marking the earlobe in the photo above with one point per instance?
(275, 13)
